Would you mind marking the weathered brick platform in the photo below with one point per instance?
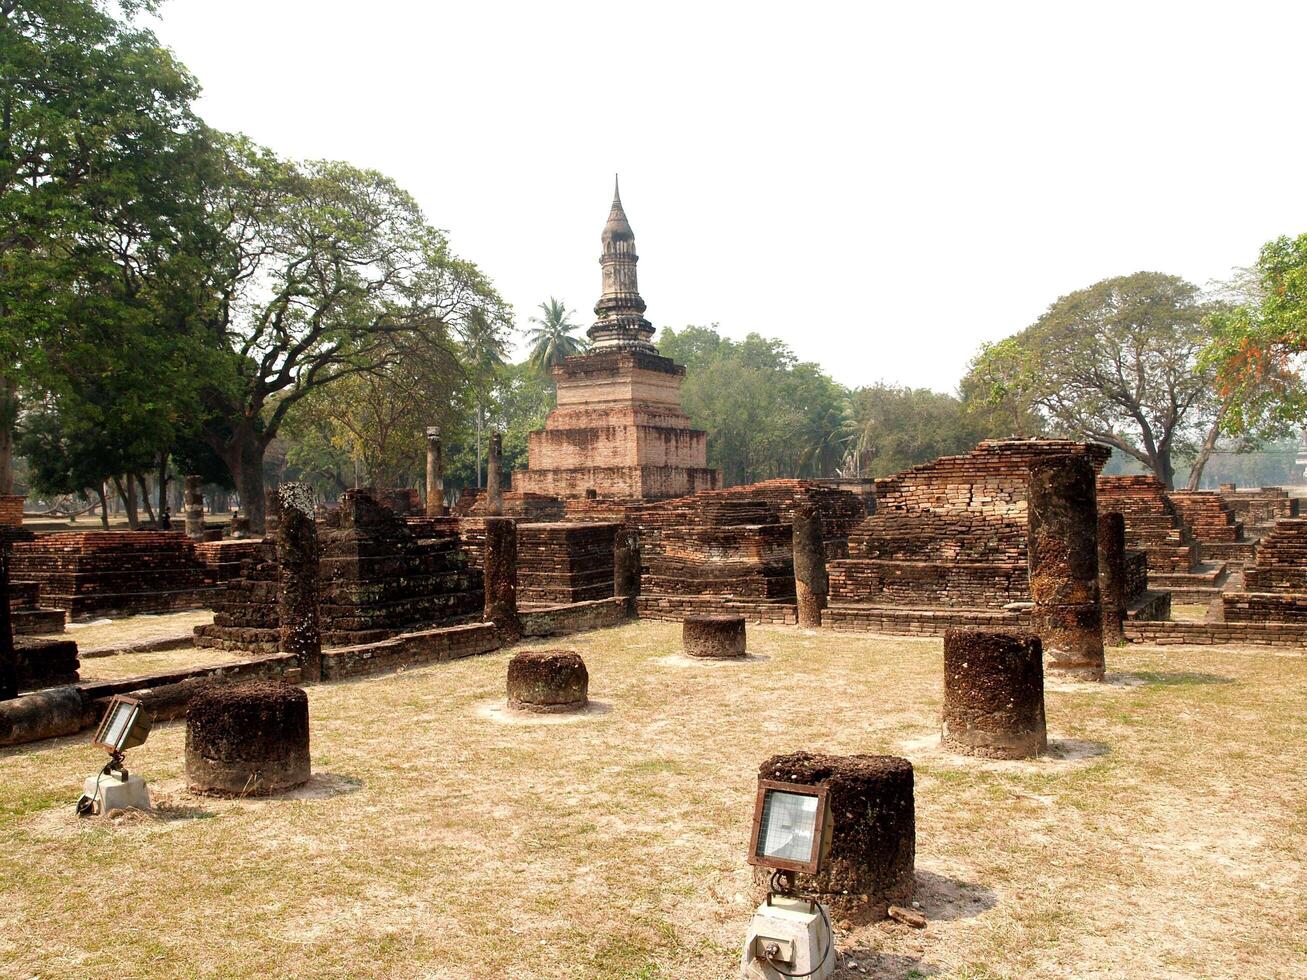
(101, 573)
(618, 431)
(378, 578)
(1276, 585)
(27, 616)
(45, 663)
(222, 559)
(564, 562)
(949, 534)
(1152, 523)
(1258, 509)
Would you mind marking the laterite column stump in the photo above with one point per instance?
(873, 849)
(1062, 514)
(548, 682)
(713, 637)
(994, 694)
(247, 739)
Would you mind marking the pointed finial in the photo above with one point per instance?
(617, 194)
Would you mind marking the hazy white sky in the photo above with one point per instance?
(884, 186)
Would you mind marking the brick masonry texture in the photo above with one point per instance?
(952, 533)
(1152, 523)
(618, 431)
(379, 575)
(96, 573)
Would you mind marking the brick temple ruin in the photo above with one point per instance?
(617, 513)
(618, 430)
(378, 578)
(947, 546)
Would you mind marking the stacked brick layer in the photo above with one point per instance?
(1207, 515)
(223, 559)
(1281, 564)
(26, 614)
(564, 562)
(736, 542)
(951, 533)
(45, 663)
(11, 510)
(377, 578)
(112, 572)
(618, 431)
(530, 506)
(1152, 523)
(1260, 508)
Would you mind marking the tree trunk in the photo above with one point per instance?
(245, 460)
(104, 507)
(1204, 454)
(8, 417)
(163, 481)
(128, 497)
(145, 498)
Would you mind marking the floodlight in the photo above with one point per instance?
(789, 823)
(433, 432)
(790, 935)
(125, 725)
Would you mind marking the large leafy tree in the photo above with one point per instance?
(551, 340)
(767, 413)
(376, 420)
(889, 429)
(1115, 363)
(1259, 347)
(100, 161)
(326, 267)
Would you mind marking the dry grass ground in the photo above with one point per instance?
(1165, 838)
(102, 635)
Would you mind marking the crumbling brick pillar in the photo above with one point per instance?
(435, 475)
(1111, 576)
(298, 555)
(8, 658)
(501, 577)
(1063, 544)
(993, 694)
(626, 567)
(494, 476)
(810, 582)
(194, 503)
(873, 848)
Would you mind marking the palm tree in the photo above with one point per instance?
(552, 339)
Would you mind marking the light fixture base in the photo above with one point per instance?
(798, 936)
(109, 792)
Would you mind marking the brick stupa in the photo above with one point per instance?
(619, 431)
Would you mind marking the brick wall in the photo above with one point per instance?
(11, 510)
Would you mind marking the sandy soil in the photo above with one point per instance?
(1165, 837)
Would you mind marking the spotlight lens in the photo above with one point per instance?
(788, 827)
(119, 723)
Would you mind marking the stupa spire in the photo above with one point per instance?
(620, 309)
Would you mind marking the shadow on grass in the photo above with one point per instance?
(1178, 678)
(944, 899)
(873, 963)
(1075, 749)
